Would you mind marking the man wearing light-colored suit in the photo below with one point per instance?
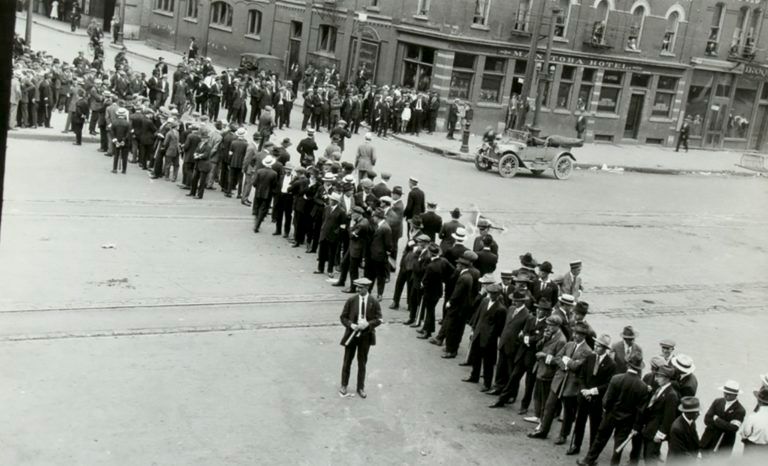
(360, 317)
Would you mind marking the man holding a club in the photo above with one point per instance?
(360, 317)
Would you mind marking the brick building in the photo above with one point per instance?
(637, 67)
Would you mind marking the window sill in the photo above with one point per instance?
(562, 111)
(633, 50)
(421, 18)
(375, 9)
(325, 53)
(191, 20)
(253, 36)
(163, 13)
(562, 40)
(220, 28)
(609, 116)
(657, 119)
(479, 27)
(488, 105)
(666, 54)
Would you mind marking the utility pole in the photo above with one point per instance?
(121, 32)
(543, 75)
(531, 64)
(207, 28)
(28, 31)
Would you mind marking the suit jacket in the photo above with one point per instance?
(333, 218)
(448, 229)
(683, 441)
(686, 386)
(463, 294)
(549, 346)
(549, 291)
(146, 135)
(534, 330)
(486, 261)
(238, 148)
(620, 357)
(588, 379)
(381, 243)
(359, 237)
(453, 253)
(381, 190)
(566, 383)
(366, 157)
(722, 425)
(415, 205)
(351, 313)
(190, 144)
(436, 273)
(625, 396)
(488, 323)
(395, 221)
(298, 189)
(571, 285)
(478, 245)
(510, 337)
(202, 156)
(431, 223)
(264, 182)
(658, 417)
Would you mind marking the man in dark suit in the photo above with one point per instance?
(360, 233)
(657, 416)
(684, 444)
(378, 255)
(453, 118)
(448, 229)
(202, 165)
(79, 117)
(121, 140)
(564, 388)
(381, 189)
(595, 374)
(543, 286)
(431, 222)
(264, 184)
(146, 139)
(360, 317)
(581, 125)
(483, 228)
(333, 218)
(722, 421)
(624, 399)
(486, 259)
(415, 204)
(188, 161)
(458, 307)
(488, 323)
(430, 275)
(684, 382)
(511, 336)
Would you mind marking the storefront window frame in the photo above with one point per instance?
(419, 62)
(464, 75)
(493, 74)
(565, 81)
(610, 87)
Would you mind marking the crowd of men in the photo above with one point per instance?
(530, 339)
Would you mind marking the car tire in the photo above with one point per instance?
(508, 165)
(563, 167)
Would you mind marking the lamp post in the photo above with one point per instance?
(28, 30)
(544, 75)
(530, 67)
(121, 31)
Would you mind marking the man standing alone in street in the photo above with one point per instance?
(360, 317)
(264, 183)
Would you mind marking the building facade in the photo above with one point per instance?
(636, 67)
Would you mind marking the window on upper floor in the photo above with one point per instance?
(522, 16)
(670, 35)
(561, 20)
(191, 9)
(253, 27)
(636, 30)
(423, 8)
(482, 8)
(221, 14)
(718, 15)
(738, 33)
(164, 5)
(750, 40)
(601, 22)
(327, 41)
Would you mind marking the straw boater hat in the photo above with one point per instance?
(683, 363)
(329, 177)
(487, 279)
(567, 300)
(460, 234)
(268, 161)
(240, 133)
(731, 387)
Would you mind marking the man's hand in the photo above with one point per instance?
(659, 437)
(527, 340)
(362, 325)
(353, 326)
(548, 359)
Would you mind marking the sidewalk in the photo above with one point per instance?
(137, 48)
(636, 158)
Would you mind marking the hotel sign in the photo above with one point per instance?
(577, 61)
(754, 70)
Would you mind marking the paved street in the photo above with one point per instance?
(138, 326)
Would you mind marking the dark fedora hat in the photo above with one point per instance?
(545, 266)
(527, 260)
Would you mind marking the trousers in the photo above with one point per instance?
(361, 347)
(609, 426)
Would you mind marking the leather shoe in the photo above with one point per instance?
(498, 404)
(495, 392)
(573, 451)
(583, 462)
(465, 364)
(362, 393)
(408, 322)
(343, 391)
(470, 380)
(485, 389)
(424, 336)
(436, 342)
(421, 331)
(537, 434)
(448, 355)
(318, 272)
(394, 306)
(415, 325)
(523, 411)
(560, 441)
(337, 284)
(348, 290)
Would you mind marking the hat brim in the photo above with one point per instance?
(457, 237)
(688, 410)
(730, 390)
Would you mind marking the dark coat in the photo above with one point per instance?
(431, 223)
(534, 330)
(146, 135)
(550, 291)
(448, 229)
(625, 397)
(683, 441)
(415, 204)
(333, 218)
(659, 416)
(722, 426)
(565, 383)
(82, 109)
(359, 238)
(463, 293)
(588, 379)
(510, 339)
(202, 156)
(381, 190)
(620, 357)
(238, 148)
(436, 272)
(687, 386)
(381, 243)
(298, 188)
(189, 147)
(486, 261)
(488, 323)
(264, 182)
(453, 254)
(350, 314)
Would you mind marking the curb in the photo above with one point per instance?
(51, 137)
(453, 155)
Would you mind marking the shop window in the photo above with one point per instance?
(297, 28)
(480, 16)
(191, 9)
(565, 87)
(636, 30)
(561, 20)
(521, 16)
(327, 42)
(518, 78)
(221, 14)
(520, 66)
(640, 80)
(417, 67)
(723, 88)
(714, 31)
(764, 92)
(610, 92)
(254, 23)
(697, 101)
(665, 96)
(585, 90)
(741, 109)
(422, 9)
(461, 77)
(670, 35)
(493, 78)
(166, 5)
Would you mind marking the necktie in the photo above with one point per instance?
(361, 316)
(597, 365)
(655, 396)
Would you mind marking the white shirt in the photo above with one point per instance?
(755, 427)
(728, 404)
(286, 183)
(347, 203)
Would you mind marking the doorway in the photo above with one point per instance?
(634, 116)
(716, 117)
(758, 139)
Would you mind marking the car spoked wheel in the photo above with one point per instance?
(508, 166)
(482, 163)
(563, 167)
